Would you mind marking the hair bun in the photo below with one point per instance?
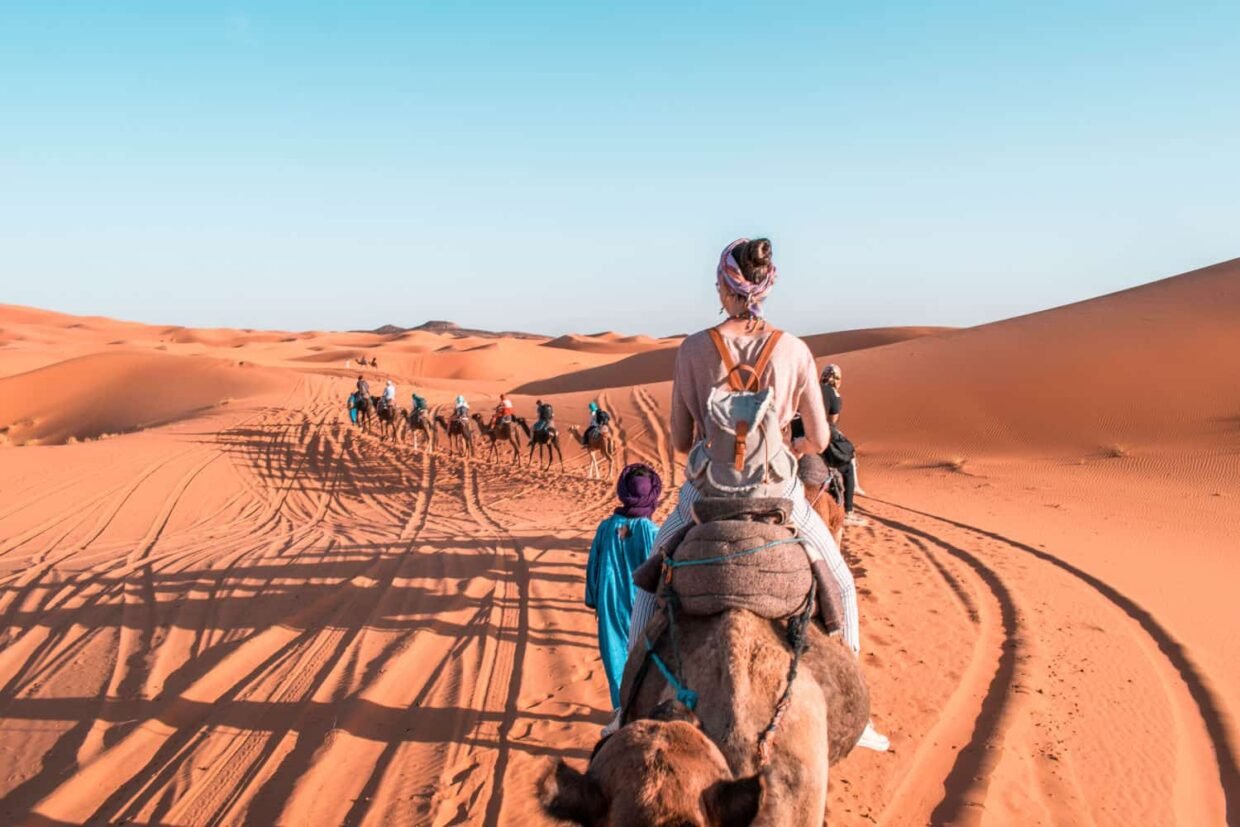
(754, 259)
(759, 251)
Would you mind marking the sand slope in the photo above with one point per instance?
(255, 614)
(110, 393)
(1154, 365)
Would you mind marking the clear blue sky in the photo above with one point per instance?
(577, 166)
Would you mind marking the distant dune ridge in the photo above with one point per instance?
(450, 329)
(221, 603)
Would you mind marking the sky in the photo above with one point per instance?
(572, 166)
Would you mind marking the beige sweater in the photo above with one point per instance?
(791, 373)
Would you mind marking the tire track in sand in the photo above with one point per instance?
(661, 429)
(1176, 674)
(978, 712)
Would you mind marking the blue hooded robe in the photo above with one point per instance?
(610, 589)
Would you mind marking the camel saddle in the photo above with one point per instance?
(741, 553)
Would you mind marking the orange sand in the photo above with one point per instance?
(223, 605)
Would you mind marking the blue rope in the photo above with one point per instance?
(706, 561)
(683, 693)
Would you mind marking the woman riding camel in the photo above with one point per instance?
(461, 408)
(744, 278)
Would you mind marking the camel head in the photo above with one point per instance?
(650, 774)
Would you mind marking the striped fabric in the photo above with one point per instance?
(813, 532)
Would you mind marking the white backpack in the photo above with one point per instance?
(742, 452)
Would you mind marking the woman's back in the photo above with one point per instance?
(790, 373)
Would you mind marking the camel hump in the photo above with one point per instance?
(777, 510)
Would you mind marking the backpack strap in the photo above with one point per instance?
(729, 365)
(764, 357)
(753, 373)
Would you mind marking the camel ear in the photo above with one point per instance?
(572, 796)
(733, 803)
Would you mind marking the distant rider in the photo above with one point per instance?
(599, 420)
(503, 412)
(546, 415)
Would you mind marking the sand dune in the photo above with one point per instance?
(846, 341)
(1151, 366)
(252, 613)
(111, 393)
(655, 361)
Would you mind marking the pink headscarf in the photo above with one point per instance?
(729, 277)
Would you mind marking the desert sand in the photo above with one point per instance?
(223, 604)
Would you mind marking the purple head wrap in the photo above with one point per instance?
(638, 493)
(729, 277)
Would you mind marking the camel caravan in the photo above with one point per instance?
(729, 635)
(465, 430)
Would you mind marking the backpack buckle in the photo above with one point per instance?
(742, 433)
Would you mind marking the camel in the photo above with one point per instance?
(824, 488)
(458, 430)
(631, 780)
(365, 411)
(601, 442)
(419, 421)
(546, 439)
(390, 418)
(832, 513)
(503, 432)
(738, 663)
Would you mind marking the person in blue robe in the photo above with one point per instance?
(622, 542)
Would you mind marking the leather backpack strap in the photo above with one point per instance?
(729, 364)
(764, 357)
